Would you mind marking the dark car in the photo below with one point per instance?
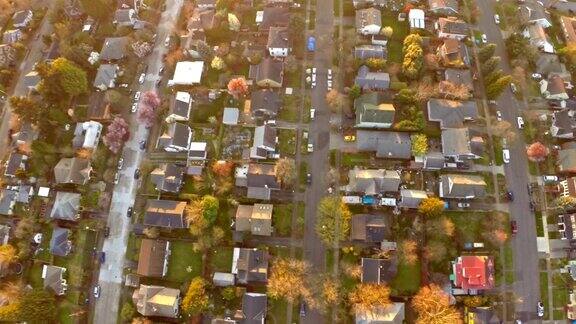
(106, 231)
(102, 257)
(143, 144)
(510, 195)
(129, 212)
(514, 227)
(303, 309)
(308, 178)
(532, 206)
(137, 174)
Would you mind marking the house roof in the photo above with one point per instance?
(250, 265)
(482, 315)
(456, 142)
(11, 36)
(197, 149)
(187, 73)
(372, 182)
(177, 134)
(264, 136)
(7, 55)
(265, 100)
(568, 28)
(452, 25)
(20, 17)
(257, 219)
(66, 206)
(460, 185)
(124, 16)
(152, 257)
(474, 272)
(370, 108)
(156, 301)
(7, 201)
(416, 17)
(4, 234)
(459, 76)
(567, 222)
(201, 20)
(59, 243)
(262, 176)
(72, 170)
(371, 80)
(556, 85)
(254, 308)
(450, 113)
(411, 198)
(105, 76)
(53, 276)
(563, 123)
(275, 16)
(391, 314)
(566, 161)
(367, 51)
(278, 37)
(14, 162)
(180, 105)
(379, 271)
(165, 213)
(114, 48)
(442, 4)
(168, 177)
(368, 16)
(230, 116)
(268, 69)
(87, 134)
(391, 145)
(367, 228)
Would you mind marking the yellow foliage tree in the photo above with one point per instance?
(196, 299)
(432, 305)
(431, 207)
(369, 297)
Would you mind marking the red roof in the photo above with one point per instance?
(474, 272)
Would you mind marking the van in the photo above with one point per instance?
(506, 155)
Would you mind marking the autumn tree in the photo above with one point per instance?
(151, 99)
(486, 52)
(495, 89)
(369, 296)
(376, 64)
(565, 202)
(238, 87)
(233, 22)
(208, 240)
(151, 232)
(419, 144)
(217, 63)
(147, 114)
(333, 220)
(116, 134)
(128, 311)
(11, 291)
(413, 56)
(291, 64)
(196, 299)
(61, 80)
(387, 31)
(454, 91)
(288, 280)
(99, 9)
(335, 100)
(408, 251)
(431, 62)
(210, 206)
(38, 306)
(329, 292)
(141, 320)
(537, 152)
(431, 207)
(8, 255)
(194, 213)
(354, 92)
(27, 109)
(435, 251)
(285, 169)
(490, 65)
(432, 306)
(440, 227)
(494, 229)
(222, 168)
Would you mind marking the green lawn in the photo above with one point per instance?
(184, 262)
(401, 30)
(407, 279)
(353, 159)
(467, 224)
(287, 142)
(221, 259)
(289, 111)
(544, 292)
(35, 275)
(282, 219)
(276, 312)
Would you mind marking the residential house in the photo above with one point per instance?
(433, 160)
(157, 301)
(125, 18)
(153, 258)
(191, 43)
(22, 18)
(265, 103)
(368, 21)
(563, 124)
(231, 115)
(223, 279)
(481, 315)
(568, 28)
(273, 17)
(12, 36)
(368, 3)
(553, 88)
(450, 113)
(457, 146)
(391, 145)
(265, 138)
(253, 309)
(250, 266)
(566, 161)
(180, 107)
(176, 138)
(72, 170)
(197, 151)
(269, 73)
(168, 177)
(31, 81)
(372, 182)
(25, 192)
(391, 314)
(106, 77)
(453, 28)
(548, 64)
(165, 213)
(278, 42)
(15, 162)
(472, 274)
(130, 4)
(7, 55)
(60, 245)
(566, 226)
(367, 228)
(202, 20)
(87, 135)
(379, 271)
(7, 201)
(536, 35)
(4, 234)
(372, 80)
(66, 206)
(366, 51)
(459, 77)
(114, 49)
(453, 53)
(54, 279)
(416, 19)
(460, 186)
(530, 16)
(446, 7)
(567, 187)
(187, 73)
(373, 112)
(410, 198)
(260, 179)
(256, 219)
(206, 4)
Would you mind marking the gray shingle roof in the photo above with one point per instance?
(278, 37)
(379, 271)
(370, 51)
(275, 16)
(456, 142)
(450, 113)
(168, 177)
(7, 201)
(462, 186)
(254, 308)
(265, 101)
(372, 80)
(165, 213)
(66, 206)
(252, 266)
(391, 145)
(105, 76)
(370, 108)
(372, 182)
(114, 48)
(59, 243)
(367, 228)
(177, 134)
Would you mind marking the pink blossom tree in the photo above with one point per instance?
(151, 99)
(237, 87)
(116, 134)
(149, 104)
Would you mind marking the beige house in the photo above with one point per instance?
(255, 219)
(157, 301)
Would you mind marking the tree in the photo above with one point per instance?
(431, 62)
(61, 80)
(147, 114)
(206, 51)
(335, 100)
(440, 227)
(222, 168)
(128, 311)
(419, 144)
(413, 56)
(27, 109)
(569, 53)
(565, 202)
(406, 97)
(141, 320)
(8, 255)
(195, 217)
(296, 26)
(217, 63)
(210, 206)
(490, 65)
(227, 5)
(330, 292)
(112, 96)
(333, 215)
(408, 251)
(517, 45)
(207, 241)
(354, 92)
(233, 22)
(38, 306)
(11, 291)
(432, 305)
(376, 64)
(99, 9)
(493, 76)
(238, 87)
(495, 89)
(435, 251)
(116, 134)
(285, 169)
(537, 152)
(152, 232)
(486, 52)
(431, 207)
(387, 31)
(151, 99)
(196, 299)
(26, 227)
(289, 280)
(369, 296)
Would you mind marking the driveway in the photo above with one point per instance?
(527, 284)
(124, 194)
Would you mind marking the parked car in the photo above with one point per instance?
(498, 115)
(520, 121)
(96, 291)
(129, 212)
(550, 178)
(120, 163)
(116, 178)
(106, 231)
(137, 95)
(513, 88)
(349, 138)
(312, 113)
(506, 156)
(143, 144)
(513, 227)
(510, 195)
(167, 41)
(311, 44)
(484, 39)
(161, 70)
(497, 19)
(310, 147)
(536, 76)
(134, 107)
(303, 309)
(270, 122)
(137, 174)
(308, 178)
(463, 205)
(540, 309)
(102, 257)
(329, 74)
(141, 78)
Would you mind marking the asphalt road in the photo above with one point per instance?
(319, 133)
(124, 194)
(527, 279)
(34, 54)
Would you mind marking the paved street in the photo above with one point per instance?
(527, 284)
(111, 272)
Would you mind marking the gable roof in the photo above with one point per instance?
(456, 142)
(568, 28)
(66, 206)
(265, 100)
(379, 271)
(459, 76)
(566, 161)
(53, 278)
(452, 25)
(14, 163)
(177, 134)
(411, 198)
(165, 213)
(461, 186)
(7, 201)
(262, 176)
(257, 219)
(391, 145)
(443, 4)
(370, 108)
(7, 55)
(187, 73)
(11, 36)
(254, 308)
(180, 105)
(153, 257)
(268, 69)
(473, 272)
(372, 182)
(72, 170)
(450, 113)
(368, 16)
(21, 18)
(391, 314)
(105, 76)
(59, 243)
(114, 48)
(124, 16)
(278, 37)
(168, 177)
(367, 228)
(274, 17)
(156, 301)
(87, 134)
(250, 265)
(371, 80)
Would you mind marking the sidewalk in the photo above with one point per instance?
(497, 169)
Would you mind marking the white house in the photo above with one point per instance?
(197, 151)
(368, 21)
(187, 73)
(536, 34)
(278, 42)
(416, 18)
(87, 135)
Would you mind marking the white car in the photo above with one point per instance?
(314, 70)
(137, 95)
(513, 88)
(167, 41)
(506, 156)
(540, 309)
(520, 121)
(329, 74)
(550, 178)
(497, 19)
(313, 84)
(498, 115)
(484, 39)
(536, 76)
(271, 122)
(134, 107)
(120, 163)
(314, 77)
(329, 84)
(310, 147)
(308, 70)
(463, 205)
(96, 291)
(312, 113)
(141, 78)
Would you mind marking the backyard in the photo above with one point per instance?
(184, 263)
